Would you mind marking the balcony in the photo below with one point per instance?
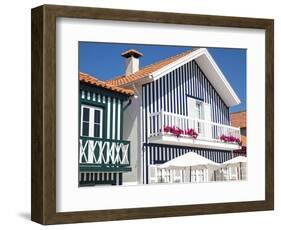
(173, 129)
(104, 155)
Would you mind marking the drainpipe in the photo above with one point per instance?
(127, 105)
(130, 99)
(136, 90)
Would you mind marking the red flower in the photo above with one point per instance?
(178, 132)
(166, 129)
(230, 139)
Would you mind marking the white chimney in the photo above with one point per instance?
(132, 61)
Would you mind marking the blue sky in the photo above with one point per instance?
(104, 60)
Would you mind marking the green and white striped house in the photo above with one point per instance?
(104, 156)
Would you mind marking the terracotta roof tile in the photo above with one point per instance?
(94, 81)
(145, 71)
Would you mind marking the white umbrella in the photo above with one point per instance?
(190, 159)
(236, 161)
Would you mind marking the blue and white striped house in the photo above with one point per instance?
(182, 105)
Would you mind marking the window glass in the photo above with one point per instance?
(243, 131)
(85, 129)
(97, 116)
(199, 109)
(86, 114)
(97, 130)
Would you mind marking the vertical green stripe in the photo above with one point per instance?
(116, 118)
(104, 122)
(108, 116)
(121, 120)
(111, 119)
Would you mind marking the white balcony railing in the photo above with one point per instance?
(161, 123)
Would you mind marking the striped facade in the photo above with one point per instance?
(170, 93)
(112, 105)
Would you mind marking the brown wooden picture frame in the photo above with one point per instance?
(43, 188)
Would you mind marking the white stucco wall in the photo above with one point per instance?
(131, 132)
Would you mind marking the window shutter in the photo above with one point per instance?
(207, 117)
(243, 171)
(177, 177)
(233, 173)
(152, 174)
(191, 107)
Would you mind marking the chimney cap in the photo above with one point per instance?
(132, 52)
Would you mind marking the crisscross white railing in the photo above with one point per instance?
(104, 152)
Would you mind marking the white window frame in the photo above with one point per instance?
(201, 116)
(199, 125)
(92, 122)
(202, 123)
(199, 175)
(200, 109)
